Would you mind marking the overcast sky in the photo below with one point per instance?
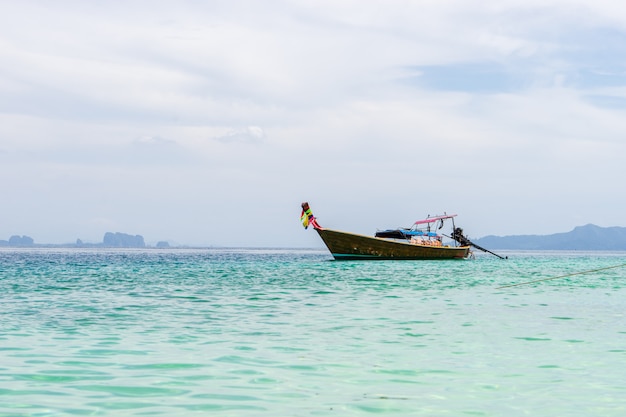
(209, 122)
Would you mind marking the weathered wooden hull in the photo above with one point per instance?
(349, 246)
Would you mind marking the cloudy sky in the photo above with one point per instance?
(209, 122)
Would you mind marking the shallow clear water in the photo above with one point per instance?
(293, 333)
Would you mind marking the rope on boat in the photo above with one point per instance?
(562, 276)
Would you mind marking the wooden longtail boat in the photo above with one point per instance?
(350, 246)
(420, 241)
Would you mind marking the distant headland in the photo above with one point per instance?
(586, 238)
(110, 240)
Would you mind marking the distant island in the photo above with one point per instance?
(18, 241)
(122, 240)
(589, 237)
(110, 240)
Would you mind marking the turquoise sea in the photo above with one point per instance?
(218, 332)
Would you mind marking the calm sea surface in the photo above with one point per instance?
(293, 333)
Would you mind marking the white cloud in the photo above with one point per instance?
(250, 134)
(181, 120)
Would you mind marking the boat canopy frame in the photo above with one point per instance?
(420, 229)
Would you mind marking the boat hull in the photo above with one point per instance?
(350, 246)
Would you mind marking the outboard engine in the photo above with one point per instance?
(457, 234)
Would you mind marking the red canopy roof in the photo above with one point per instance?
(434, 219)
